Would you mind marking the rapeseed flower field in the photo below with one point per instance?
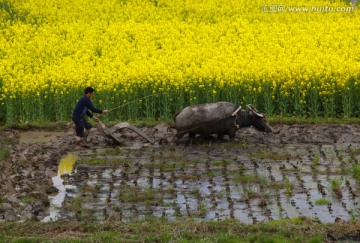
(151, 58)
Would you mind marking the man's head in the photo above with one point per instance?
(89, 92)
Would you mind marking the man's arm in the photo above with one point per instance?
(89, 114)
(91, 107)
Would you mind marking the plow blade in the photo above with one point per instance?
(109, 132)
(127, 125)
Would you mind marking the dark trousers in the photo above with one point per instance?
(80, 124)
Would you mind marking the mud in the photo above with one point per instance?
(256, 178)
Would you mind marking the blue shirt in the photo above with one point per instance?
(83, 107)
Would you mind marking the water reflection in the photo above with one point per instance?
(65, 167)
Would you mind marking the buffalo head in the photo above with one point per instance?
(258, 120)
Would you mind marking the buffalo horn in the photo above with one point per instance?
(252, 108)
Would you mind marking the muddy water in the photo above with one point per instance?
(213, 181)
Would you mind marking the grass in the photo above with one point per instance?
(160, 230)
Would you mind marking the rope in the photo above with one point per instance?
(135, 101)
(235, 114)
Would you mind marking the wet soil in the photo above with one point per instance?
(255, 178)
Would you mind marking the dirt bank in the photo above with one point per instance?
(26, 176)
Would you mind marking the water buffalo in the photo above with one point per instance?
(221, 118)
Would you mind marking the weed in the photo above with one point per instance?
(341, 156)
(4, 154)
(272, 156)
(232, 145)
(82, 213)
(94, 161)
(322, 201)
(222, 162)
(106, 236)
(151, 122)
(228, 237)
(136, 194)
(195, 192)
(210, 174)
(243, 144)
(43, 125)
(165, 167)
(356, 171)
(28, 200)
(335, 186)
(202, 209)
(105, 161)
(276, 185)
(91, 189)
(111, 151)
(250, 194)
(354, 215)
(280, 210)
(75, 205)
(177, 209)
(316, 161)
(7, 141)
(289, 186)
(169, 190)
(248, 178)
(262, 202)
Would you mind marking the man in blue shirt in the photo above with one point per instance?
(84, 106)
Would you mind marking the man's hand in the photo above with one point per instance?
(105, 111)
(95, 118)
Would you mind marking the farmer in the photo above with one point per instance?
(83, 107)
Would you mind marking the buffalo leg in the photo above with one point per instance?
(177, 137)
(231, 133)
(192, 137)
(220, 136)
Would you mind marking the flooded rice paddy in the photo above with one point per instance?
(250, 182)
